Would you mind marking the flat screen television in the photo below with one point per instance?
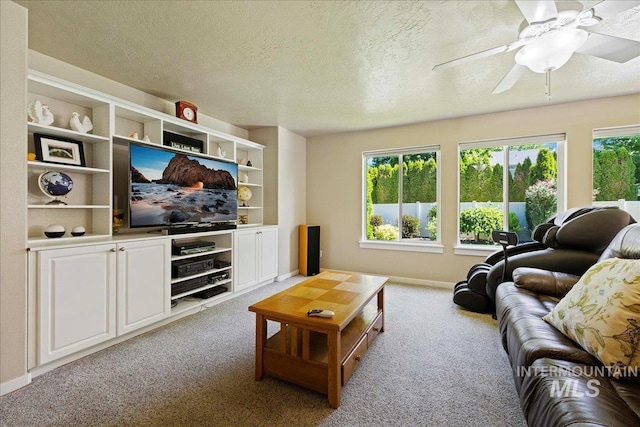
(169, 188)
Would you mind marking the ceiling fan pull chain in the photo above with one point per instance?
(547, 88)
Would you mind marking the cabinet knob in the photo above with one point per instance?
(112, 250)
(358, 358)
(122, 249)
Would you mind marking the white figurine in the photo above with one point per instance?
(219, 152)
(39, 113)
(84, 127)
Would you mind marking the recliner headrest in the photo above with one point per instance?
(626, 244)
(589, 229)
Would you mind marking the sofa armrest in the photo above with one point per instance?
(543, 281)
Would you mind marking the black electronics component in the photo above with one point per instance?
(201, 228)
(188, 285)
(193, 247)
(216, 277)
(211, 292)
(187, 267)
(220, 263)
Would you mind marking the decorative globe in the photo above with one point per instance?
(244, 194)
(55, 184)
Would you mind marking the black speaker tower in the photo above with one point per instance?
(309, 251)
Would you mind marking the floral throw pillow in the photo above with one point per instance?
(602, 314)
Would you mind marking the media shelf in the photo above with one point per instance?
(198, 270)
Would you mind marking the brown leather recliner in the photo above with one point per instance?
(540, 354)
(569, 242)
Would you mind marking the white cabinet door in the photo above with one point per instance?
(245, 258)
(77, 299)
(144, 283)
(255, 255)
(268, 254)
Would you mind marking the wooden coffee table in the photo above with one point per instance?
(318, 353)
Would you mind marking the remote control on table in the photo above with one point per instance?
(320, 313)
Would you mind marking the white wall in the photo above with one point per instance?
(292, 189)
(284, 190)
(334, 164)
(13, 198)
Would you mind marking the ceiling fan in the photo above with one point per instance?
(552, 32)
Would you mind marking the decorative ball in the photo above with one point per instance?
(54, 230)
(78, 231)
(244, 193)
(55, 184)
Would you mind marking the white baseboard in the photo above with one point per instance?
(287, 275)
(405, 280)
(13, 385)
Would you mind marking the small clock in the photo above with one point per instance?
(187, 111)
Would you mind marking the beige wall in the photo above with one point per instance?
(284, 190)
(13, 199)
(334, 178)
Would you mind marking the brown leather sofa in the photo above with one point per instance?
(559, 383)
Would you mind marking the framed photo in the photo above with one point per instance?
(53, 149)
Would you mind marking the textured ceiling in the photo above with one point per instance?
(318, 67)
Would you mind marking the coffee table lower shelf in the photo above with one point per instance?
(302, 357)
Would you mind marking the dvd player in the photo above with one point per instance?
(194, 247)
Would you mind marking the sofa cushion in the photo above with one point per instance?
(602, 313)
(547, 282)
(525, 336)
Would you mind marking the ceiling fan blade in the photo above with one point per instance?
(608, 8)
(510, 79)
(484, 54)
(609, 47)
(538, 11)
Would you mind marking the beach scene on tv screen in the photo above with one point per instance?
(175, 188)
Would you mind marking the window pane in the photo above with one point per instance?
(419, 196)
(481, 190)
(616, 168)
(532, 170)
(382, 198)
(616, 172)
(533, 195)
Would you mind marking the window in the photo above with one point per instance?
(401, 191)
(616, 168)
(509, 184)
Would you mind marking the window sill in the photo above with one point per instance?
(474, 250)
(434, 248)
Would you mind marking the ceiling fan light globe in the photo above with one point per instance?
(551, 50)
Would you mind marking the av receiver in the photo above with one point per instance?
(187, 267)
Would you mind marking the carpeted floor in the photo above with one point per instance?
(435, 365)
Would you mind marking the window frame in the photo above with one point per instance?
(401, 245)
(559, 138)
